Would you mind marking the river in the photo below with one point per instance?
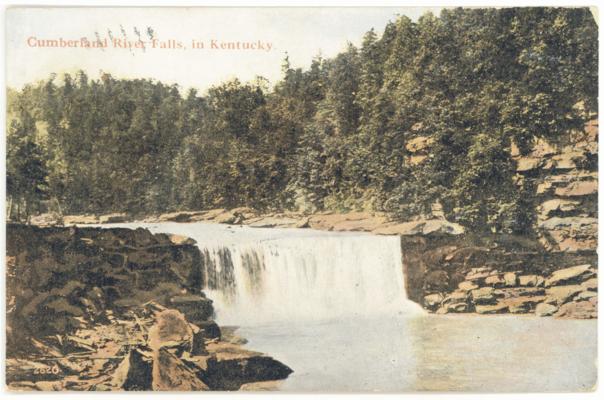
(332, 306)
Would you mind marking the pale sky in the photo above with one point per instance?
(301, 32)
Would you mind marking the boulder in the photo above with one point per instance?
(230, 366)
(492, 309)
(509, 279)
(353, 221)
(50, 386)
(561, 294)
(495, 281)
(208, 214)
(454, 302)
(432, 301)
(554, 207)
(567, 160)
(453, 308)
(523, 304)
(303, 222)
(198, 346)
(578, 310)
(196, 309)
(476, 274)
(172, 374)
(209, 330)
(135, 372)
(569, 275)
(531, 280)
(266, 386)
(557, 181)
(467, 286)
(171, 329)
(47, 219)
(578, 189)
(590, 284)
(416, 159)
(545, 309)
(458, 296)
(484, 295)
(227, 217)
(525, 164)
(424, 227)
(513, 292)
(79, 219)
(586, 295)
(180, 216)
(181, 240)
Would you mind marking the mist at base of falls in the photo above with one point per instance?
(332, 306)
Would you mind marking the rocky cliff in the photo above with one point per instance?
(499, 274)
(553, 272)
(564, 179)
(116, 309)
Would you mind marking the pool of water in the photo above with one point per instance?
(433, 353)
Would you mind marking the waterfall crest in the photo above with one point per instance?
(317, 277)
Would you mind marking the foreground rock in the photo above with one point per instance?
(116, 309)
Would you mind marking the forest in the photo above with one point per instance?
(331, 136)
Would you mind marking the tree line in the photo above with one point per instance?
(331, 136)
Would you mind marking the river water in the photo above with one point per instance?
(332, 306)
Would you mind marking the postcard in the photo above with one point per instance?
(301, 199)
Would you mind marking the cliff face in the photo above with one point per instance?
(553, 273)
(564, 177)
(499, 274)
(116, 309)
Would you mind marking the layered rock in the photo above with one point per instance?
(116, 309)
(565, 180)
(568, 293)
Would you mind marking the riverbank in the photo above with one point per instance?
(447, 270)
(117, 309)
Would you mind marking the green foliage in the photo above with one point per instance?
(333, 136)
(26, 175)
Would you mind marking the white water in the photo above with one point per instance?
(332, 306)
(259, 276)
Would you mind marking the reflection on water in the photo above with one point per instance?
(436, 353)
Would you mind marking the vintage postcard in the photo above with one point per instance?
(338, 199)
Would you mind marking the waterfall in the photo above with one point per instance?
(257, 275)
(304, 277)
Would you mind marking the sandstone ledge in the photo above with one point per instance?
(116, 309)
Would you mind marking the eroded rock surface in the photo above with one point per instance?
(116, 309)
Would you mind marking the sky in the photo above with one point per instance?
(301, 32)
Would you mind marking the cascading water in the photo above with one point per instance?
(316, 278)
(266, 275)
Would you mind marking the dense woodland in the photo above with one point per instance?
(328, 137)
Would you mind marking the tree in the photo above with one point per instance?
(26, 173)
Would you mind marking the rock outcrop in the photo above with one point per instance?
(493, 275)
(564, 176)
(116, 309)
